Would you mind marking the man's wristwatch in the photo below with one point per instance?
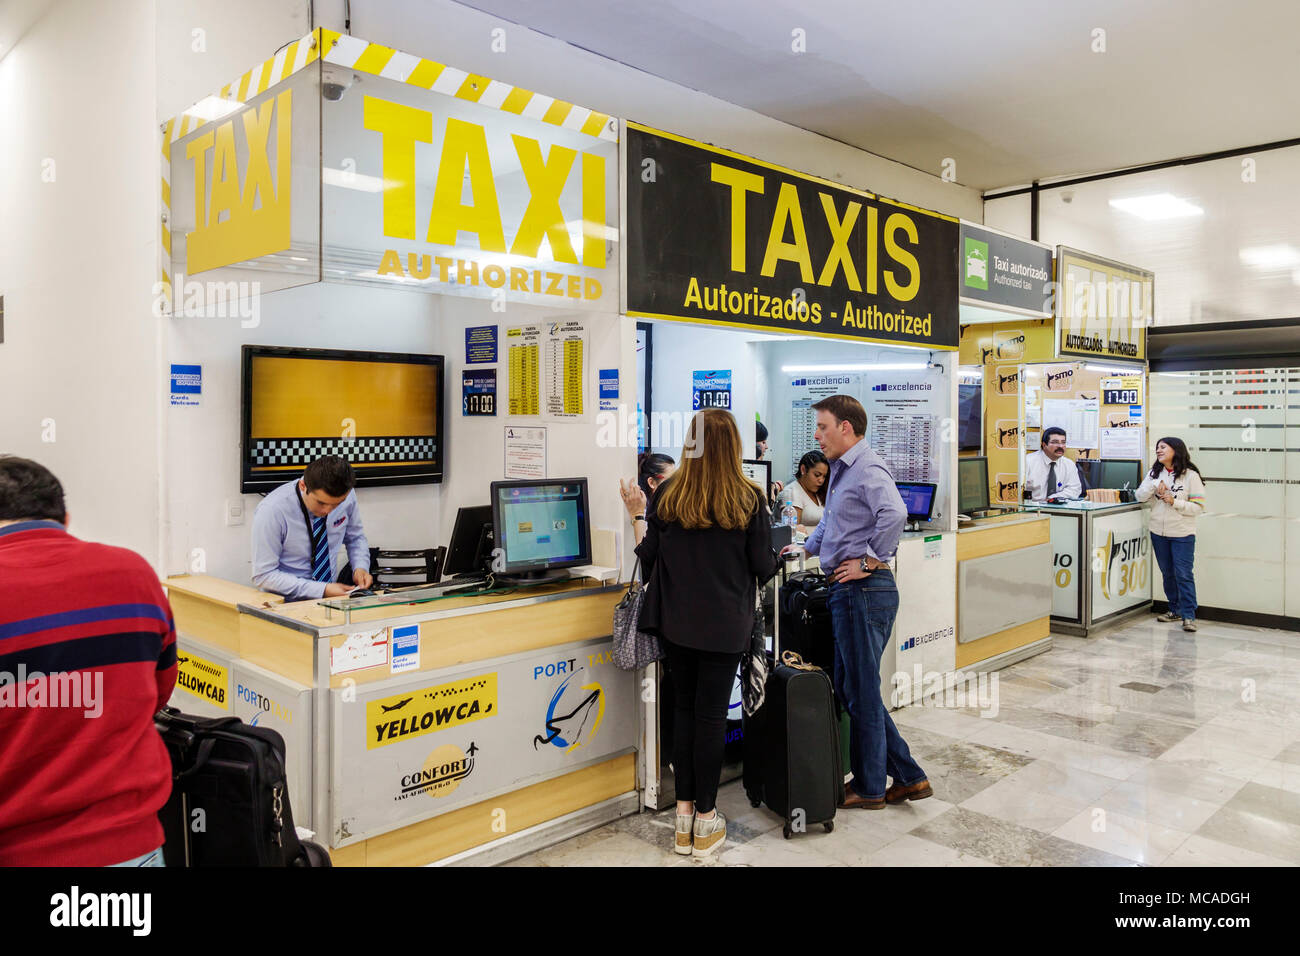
(638, 517)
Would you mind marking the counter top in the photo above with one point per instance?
(1010, 519)
(217, 591)
(1083, 505)
(315, 617)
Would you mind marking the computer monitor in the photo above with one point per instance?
(918, 497)
(1118, 473)
(972, 485)
(541, 527)
(760, 473)
(470, 550)
(1090, 471)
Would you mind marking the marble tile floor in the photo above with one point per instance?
(1140, 746)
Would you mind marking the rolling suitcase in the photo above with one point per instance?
(229, 804)
(792, 746)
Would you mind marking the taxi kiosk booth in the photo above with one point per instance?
(1077, 363)
(421, 725)
(762, 289)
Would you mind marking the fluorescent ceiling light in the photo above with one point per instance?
(910, 366)
(1114, 371)
(339, 177)
(1157, 206)
(1278, 257)
(574, 227)
(212, 108)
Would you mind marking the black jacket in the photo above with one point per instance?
(701, 581)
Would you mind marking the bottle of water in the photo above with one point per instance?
(789, 517)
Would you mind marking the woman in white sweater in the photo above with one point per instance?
(1177, 496)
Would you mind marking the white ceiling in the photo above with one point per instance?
(16, 18)
(1009, 89)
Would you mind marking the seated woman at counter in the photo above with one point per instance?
(707, 545)
(807, 492)
(1048, 473)
(1179, 493)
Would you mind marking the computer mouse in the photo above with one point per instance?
(361, 592)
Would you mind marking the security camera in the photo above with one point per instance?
(1066, 197)
(335, 83)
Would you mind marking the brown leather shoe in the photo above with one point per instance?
(852, 801)
(916, 791)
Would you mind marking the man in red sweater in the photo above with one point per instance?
(87, 656)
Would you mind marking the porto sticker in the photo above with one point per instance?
(204, 679)
(415, 713)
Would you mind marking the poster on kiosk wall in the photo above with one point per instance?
(714, 236)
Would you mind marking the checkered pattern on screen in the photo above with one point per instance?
(303, 451)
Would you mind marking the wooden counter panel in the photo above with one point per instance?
(1003, 641)
(205, 621)
(995, 540)
(218, 591)
(475, 637)
(281, 650)
(471, 826)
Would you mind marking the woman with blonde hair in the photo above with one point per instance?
(707, 545)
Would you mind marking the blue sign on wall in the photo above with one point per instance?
(186, 384)
(480, 344)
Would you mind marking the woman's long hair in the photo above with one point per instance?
(1182, 460)
(807, 463)
(708, 487)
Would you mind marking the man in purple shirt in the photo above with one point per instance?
(855, 540)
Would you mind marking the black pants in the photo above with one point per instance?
(702, 683)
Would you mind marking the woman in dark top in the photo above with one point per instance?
(707, 541)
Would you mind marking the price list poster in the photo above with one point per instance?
(564, 368)
(808, 390)
(547, 364)
(523, 358)
(902, 424)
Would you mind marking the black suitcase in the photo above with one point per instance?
(229, 804)
(792, 745)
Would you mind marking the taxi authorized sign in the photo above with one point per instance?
(419, 711)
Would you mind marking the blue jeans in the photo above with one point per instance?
(862, 617)
(152, 858)
(1175, 556)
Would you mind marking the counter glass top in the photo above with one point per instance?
(1083, 505)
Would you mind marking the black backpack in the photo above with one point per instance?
(229, 804)
(806, 620)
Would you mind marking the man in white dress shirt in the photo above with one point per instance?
(1048, 473)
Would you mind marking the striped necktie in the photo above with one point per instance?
(320, 557)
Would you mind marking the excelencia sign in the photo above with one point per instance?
(1103, 307)
(718, 237)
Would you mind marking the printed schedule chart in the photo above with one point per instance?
(906, 443)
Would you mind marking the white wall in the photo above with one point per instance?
(77, 257)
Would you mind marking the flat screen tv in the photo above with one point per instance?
(382, 411)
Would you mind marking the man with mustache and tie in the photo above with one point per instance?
(297, 530)
(1048, 473)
